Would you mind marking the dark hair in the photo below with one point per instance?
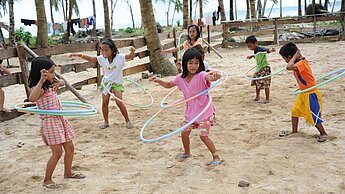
(188, 55)
(37, 64)
(289, 49)
(1, 61)
(251, 39)
(199, 48)
(111, 45)
(197, 32)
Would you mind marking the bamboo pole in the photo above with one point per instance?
(67, 85)
(212, 48)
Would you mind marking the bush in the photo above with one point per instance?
(22, 36)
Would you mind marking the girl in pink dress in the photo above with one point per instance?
(192, 81)
(56, 131)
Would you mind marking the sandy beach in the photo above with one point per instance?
(246, 136)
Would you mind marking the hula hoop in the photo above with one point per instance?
(179, 43)
(298, 91)
(174, 132)
(135, 105)
(89, 109)
(180, 101)
(263, 77)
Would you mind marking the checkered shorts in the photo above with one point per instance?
(56, 130)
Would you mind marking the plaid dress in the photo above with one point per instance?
(54, 129)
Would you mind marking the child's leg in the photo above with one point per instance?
(294, 122)
(321, 129)
(69, 153)
(105, 108)
(257, 97)
(186, 142)
(122, 106)
(53, 160)
(267, 92)
(2, 99)
(210, 145)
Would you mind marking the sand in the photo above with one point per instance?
(246, 136)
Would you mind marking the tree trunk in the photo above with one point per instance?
(172, 20)
(159, 64)
(342, 6)
(63, 10)
(248, 9)
(131, 10)
(51, 14)
(252, 9)
(281, 8)
(200, 10)
(299, 7)
(231, 9)
(305, 7)
(222, 13)
(11, 14)
(190, 12)
(168, 12)
(93, 32)
(42, 31)
(259, 7)
(106, 19)
(185, 14)
(314, 7)
(264, 8)
(326, 5)
(112, 6)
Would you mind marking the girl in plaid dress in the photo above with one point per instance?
(55, 131)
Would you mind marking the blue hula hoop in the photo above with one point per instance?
(174, 132)
(179, 43)
(298, 91)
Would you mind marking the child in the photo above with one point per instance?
(262, 67)
(3, 71)
(192, 81)
(201, 50)
(307, 104)
(112, 63)
(192, 40)
(55, 131)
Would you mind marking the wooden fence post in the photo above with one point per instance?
(208, 38)
(175, 45)
(314, 38)
(24, 68)
(276, 31)
(99, 77)
(342, 36)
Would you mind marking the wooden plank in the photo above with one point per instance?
(76, 67)
(139, 42)
(261, 32)
(135, 69)
(66, 48)
(12, 79)
(92, 80)
(5, 116)
(124, 42)
(8, 53)
(24, 69)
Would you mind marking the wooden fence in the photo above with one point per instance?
(273, 26)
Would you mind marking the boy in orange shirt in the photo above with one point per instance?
(307, 104)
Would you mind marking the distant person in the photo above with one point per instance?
(3, 71)
(262, 67)
(112, 63)
(307, 104)
(201, 50)
(56, 131)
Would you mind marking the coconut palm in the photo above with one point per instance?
(93, 32)
(231, 9)
(342, 7)
(106, 19)
(178, 8)
(222, 13)
(159, 63)
(326, 5)
(112, 9)
(299, 7)
(252, 9)
(185, 14)
(248, 9)
(259, 8)
(42, 31)
(3, 4)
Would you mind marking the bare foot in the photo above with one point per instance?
(129, 125)
(268, 101)
(257, 99)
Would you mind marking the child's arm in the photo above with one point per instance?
(162, 83)
(291, 65)
(86, 57)
(171, 50)
(272, 50)
(179, 66)
(250, 56)
(6, 71)
(58, 83)
(213, 76)
(131, 55)
(37, 92)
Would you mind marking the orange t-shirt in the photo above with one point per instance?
(304, 75)
(186, 45)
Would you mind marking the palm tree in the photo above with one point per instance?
(42, 31)
(275, 2)
(342, 7)
(159, 63)
(259, 7)
(200, 10)
(231, 9)
(190, 11)
(168, 10)
(11, 17)
(106, 19)
(112, 9)
(299, 7)
(93, 32)
(53, 4)
(178, 8)
(281, 8)
(131, 11)
(222, 13)
(185, 14)
(248, 9)
(326, 5)
(252, 9)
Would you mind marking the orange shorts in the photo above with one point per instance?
(203, 126)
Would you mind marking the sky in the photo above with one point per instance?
(25, 9)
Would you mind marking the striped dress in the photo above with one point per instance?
(54, 129)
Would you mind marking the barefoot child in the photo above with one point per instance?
(112, 63)
(262, 67)
(192, 81)
(307, 104)
(55, 131)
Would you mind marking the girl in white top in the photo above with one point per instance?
(112, 63)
